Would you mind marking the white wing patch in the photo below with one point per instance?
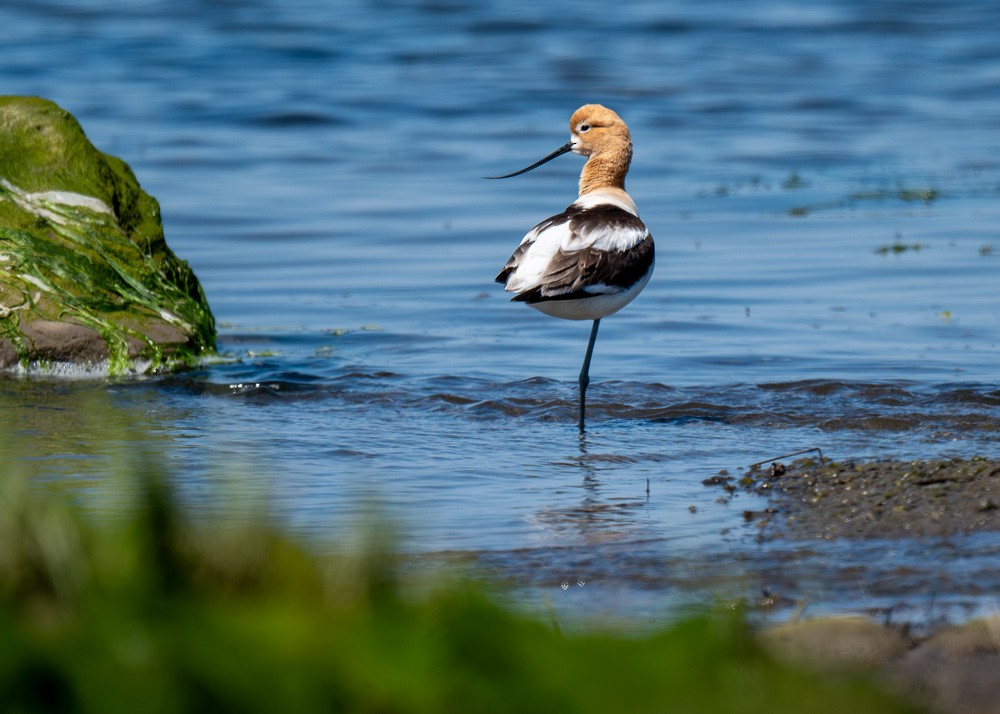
(579, 229)
(542, 245)
(602, 236)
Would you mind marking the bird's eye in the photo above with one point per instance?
(584, 127)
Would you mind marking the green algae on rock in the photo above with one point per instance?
(85, 273)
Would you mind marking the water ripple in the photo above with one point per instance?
(832, 406)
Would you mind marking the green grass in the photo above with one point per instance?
(146, 608)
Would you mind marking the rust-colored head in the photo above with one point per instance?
(596, 129)
(600, 134)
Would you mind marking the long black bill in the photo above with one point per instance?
(558, 152)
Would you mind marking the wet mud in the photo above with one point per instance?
(812, 498)
(950, 668)
(956, 670)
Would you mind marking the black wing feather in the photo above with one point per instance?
(571, 272)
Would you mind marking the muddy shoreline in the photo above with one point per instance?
(812, 498)
(954, 668)
(954, 671)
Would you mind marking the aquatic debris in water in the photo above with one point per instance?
(898, 247)
(908, 195)
(794, 181)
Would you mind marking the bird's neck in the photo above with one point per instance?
(606, 170)
(607, 196)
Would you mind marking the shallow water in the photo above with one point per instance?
(823, 186)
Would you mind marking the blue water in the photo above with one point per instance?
(823, 183)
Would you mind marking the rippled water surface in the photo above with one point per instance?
(822, 183)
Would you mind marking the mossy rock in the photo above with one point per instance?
(86, 276)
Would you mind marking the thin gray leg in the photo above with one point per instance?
(585, 371)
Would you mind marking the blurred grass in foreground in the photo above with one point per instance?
(151, 610)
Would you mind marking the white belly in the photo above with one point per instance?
(592, 308)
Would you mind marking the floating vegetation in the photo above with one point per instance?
(899, 247)
(925, 196)
(752, 184)
(341, 331)
(793, 182)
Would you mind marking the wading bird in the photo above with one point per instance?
(592, 259)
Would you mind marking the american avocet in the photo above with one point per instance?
(592, 259)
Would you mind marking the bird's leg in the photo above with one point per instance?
(585, 371)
